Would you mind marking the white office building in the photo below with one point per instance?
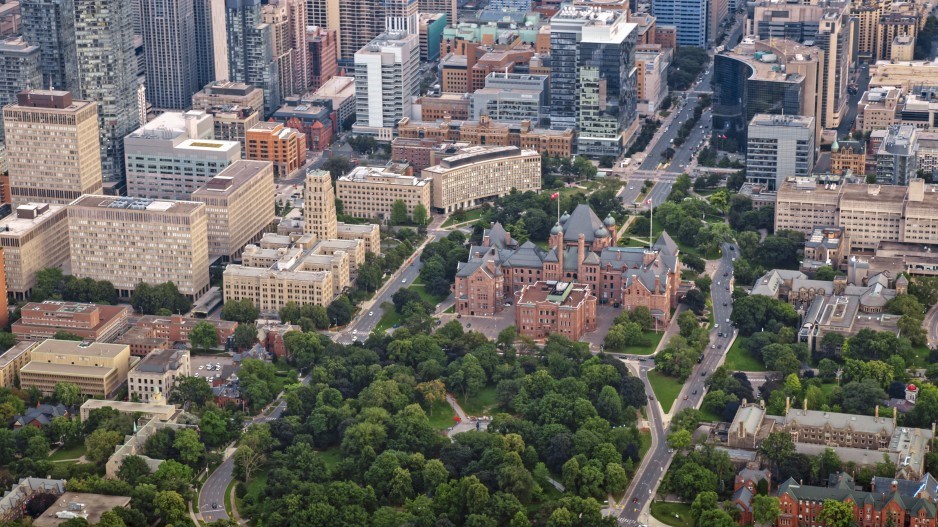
(175, 154)
(779, 147)
(386, 77)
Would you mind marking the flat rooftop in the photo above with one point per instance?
(79, 349)
(159, 361)
(209, 145)
(93, 505)
(233, 177)
(135, 204)
(128, 407)
(865, 192)
(16, 351)
(380, 175)
(561, 293)
(765, 61)
(16, 226)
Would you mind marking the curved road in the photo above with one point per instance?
(639, 495)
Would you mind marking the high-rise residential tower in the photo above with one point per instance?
(40, 127)
(439, 6)
(385, 80)
(50, 24)
(210, 40)
(251, 51)
(170, 46)
(108, 75)
(19, 69)
(288, 20)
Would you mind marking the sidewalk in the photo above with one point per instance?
(466, 423)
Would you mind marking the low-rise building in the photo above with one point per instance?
(897, 156)
(928, 152)
(284, 147)
(176, 328)
(13, 360)
(848, 157)
(33, 238)
(313, 119)
(98, 369)
(563, 308)
(39, 416)
(878, 108)
(156, 374)
(862, 439)
(370, 192)
(368, 234)
(825, 246)
(478, 174)
(155, 409)
(511, 97)
(445, 106)
(129, 241)
(42, 320)
(239, 205)
(485, 131)
(13, 502)
(339, 93)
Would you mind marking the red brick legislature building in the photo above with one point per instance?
(564, 308)
(582, 251)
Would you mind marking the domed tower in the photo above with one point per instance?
(610, 224)
(556, 236)
(601, 239)
(564, 218)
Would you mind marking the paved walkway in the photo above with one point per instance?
(466, 422)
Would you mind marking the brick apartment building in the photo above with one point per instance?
(565, 308)
(41, 320)
(582, 250)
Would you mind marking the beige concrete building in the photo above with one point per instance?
(878, 109)
(97, 369)
(478, 174)
(652, 62)
(901, 20)
(239, 203)
(34, 237)
(13, 360)
(150, 410)
(152, 379)
(904, 75)
(319, 205)
(270, 289)
(869, 214)
(52, 149)
(129, 241)
(370, 192)
(369, 233)
(903, 48)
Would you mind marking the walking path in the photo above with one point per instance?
(466, 423)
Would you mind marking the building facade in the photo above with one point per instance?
(563, 308)
(97, 369)
(33, 238)
(252, 53)
(50, 24)
(39, 127)
(169, 46)
(235, 108)
(897, 156)
(283, 146)
(369, 192)
(19, 69)
(688, 16)
(386, 78)
(779, 147)
(173, 155)
(129, 241)
(107, 67)
(477, 174)
(42, 320)
(239, 203)
(152, 379)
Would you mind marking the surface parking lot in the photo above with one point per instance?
(208, 365)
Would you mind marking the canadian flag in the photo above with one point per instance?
(555, 195)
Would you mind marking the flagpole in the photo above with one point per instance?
(651, 221)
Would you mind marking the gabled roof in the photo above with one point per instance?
(42, 414)
(583, 221)
(528, 255)
(666, 244)
(497, 236)
(646, 277)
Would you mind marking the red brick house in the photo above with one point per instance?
(582, 250)
(899, 505)
(744, 488)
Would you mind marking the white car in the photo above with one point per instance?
(403, 280)
(196, 374)
(200, 367)
(371, 313)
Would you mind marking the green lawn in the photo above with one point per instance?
(739, 359)
(666, 389)
(228, 509)
(257, 483)
(645, 437)
(331, 456)
(706, 415)
(419, 287)
(388, 318)
(827, 388)
(480, 403)
(68, 452)
(469, 215)
(670, 513)
(442, 417)
(653, 339)
(921, 354)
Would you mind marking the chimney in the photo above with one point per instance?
(804, 410)
(876, 412)
(507, 239)
(762, 404)
(657, 283)
(894, 416)
(787, 405)
(560, 260)
(580, 249)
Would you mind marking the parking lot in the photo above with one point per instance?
(201, 363)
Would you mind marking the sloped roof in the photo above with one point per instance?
(497, 235)
(528, 255)
(583, 221)
(666, 244)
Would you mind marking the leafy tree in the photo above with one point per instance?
(340, 311)
(190, 447)
(680, 440)
(337, 166)
(191, 389)
(66, 393)
(100, 445)
(66, 335)
(133, 469)
(715, 518)
(695, 300)
(170, 507)
(240, 311)
(860, 397)
(835, 513)
(703, 502)
(824, 273)
(203, 336)
(420, 216)
(399, 213)
(776, 447)
(150, 300)
(245, 335)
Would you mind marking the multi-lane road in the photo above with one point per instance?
(656, 461)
